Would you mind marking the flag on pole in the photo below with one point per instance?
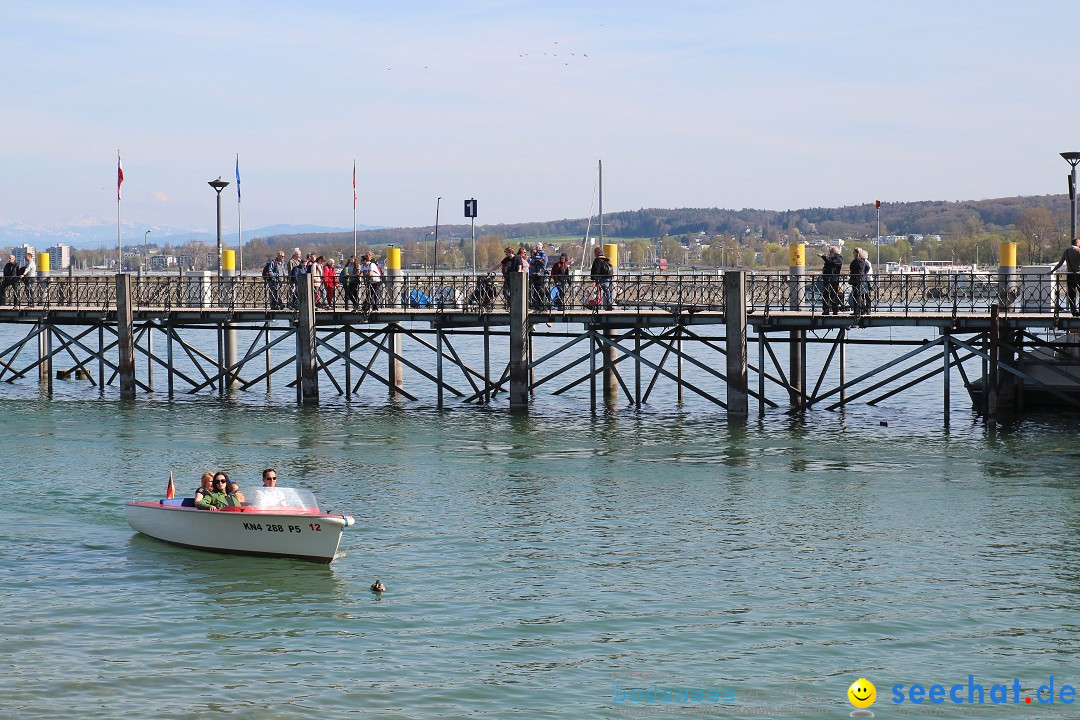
(353, 184)
(119, 175)
(238, 177)
(170, 492)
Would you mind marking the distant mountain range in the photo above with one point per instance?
(92, 233)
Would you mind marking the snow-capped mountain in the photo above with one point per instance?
(94, 233)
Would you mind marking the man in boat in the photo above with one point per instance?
(270, 495)
(1071, 260)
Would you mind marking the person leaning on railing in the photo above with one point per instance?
(1071, 259)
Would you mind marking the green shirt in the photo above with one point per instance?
(212, 499)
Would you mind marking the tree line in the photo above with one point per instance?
(715, 237)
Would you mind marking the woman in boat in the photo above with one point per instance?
(218, 496)
(206, 485)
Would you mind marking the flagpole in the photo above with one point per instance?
(119, 241)
(239, 218)
(354, 207)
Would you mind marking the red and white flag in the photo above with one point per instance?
(353, 184)
(119, 175)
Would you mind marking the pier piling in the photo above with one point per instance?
(519, 341)
(738, 394)
(125, 337)
(308, 382)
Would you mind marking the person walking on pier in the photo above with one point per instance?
(29, 277)
(538, 277)
(315, 269)
(330, 282)
(11, 274)
(858, 271)
(831, 298)
(350, 280)
(1071, 260)
(560, 276)
(372, 281)
(275, 275)
(295, 279)
(868, 281)
(601, 273)
(504, 268)
(294, 262)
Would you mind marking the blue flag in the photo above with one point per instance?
(237, 177)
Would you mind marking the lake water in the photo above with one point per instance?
(538, 566)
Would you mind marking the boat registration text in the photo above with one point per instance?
(258, 527)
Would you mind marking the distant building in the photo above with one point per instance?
(59, 257)
(20, 253)
(161, 262)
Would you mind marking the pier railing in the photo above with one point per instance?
(908, 293)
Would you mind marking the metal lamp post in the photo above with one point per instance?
(218, 186)
(877, 234)
(435, 263)
(145, 234)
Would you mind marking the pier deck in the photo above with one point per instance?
(989, 319)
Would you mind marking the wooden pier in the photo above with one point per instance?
(128, 331)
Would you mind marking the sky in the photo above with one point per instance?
(771, 104)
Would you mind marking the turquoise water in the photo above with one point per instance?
(535, 562)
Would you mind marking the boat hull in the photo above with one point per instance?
(305, 535)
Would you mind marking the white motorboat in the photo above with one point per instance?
(273, 522)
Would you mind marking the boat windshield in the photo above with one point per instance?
(271, 498)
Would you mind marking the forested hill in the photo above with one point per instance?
(925, 217)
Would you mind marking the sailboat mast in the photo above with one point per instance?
(600, 172)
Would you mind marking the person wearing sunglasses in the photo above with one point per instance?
(219, 496)
(269, 494)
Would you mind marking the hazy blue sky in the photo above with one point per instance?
(689, 104)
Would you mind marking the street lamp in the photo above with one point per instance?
(218, 185)
(435, 264)
(144, 248)
(1072, 158)
(877, 234)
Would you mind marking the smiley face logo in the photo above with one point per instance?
(862, 693)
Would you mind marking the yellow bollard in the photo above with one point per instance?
(1008, 280)
(43, 262)
(393, 258)
(611, 251)
(228, 261)
(1008, 255)
(796, 256)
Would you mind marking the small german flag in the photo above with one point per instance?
(170, 492)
